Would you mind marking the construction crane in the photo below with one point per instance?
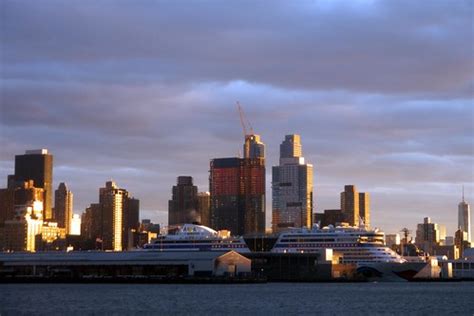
(246, 126)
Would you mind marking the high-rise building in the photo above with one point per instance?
(91, 222)
(131, 221)
(350, 205)
(63, 207)
(292, 187)
(329, 217)
(464, 217)
(253, 147)
(22, 193)
(112, 201)
(37, 165)
(119, 214)
(237, 188)
(442, 234)
(364, 208)
(204, 207)
(182, 208)
(7, 204)
(461, 241)
(75, 228)
(355, 205)
(20, 232)
(427, 235)
(291, 147)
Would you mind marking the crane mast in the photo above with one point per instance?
(246, 126)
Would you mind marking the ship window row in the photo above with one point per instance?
(198, 242)
(303, 245)
(167, 246)
(308, 240)
(464, 266)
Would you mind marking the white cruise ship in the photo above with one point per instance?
(354, 244)
(192, 237)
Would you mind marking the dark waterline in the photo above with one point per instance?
(272, 298)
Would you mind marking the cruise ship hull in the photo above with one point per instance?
(390, 271)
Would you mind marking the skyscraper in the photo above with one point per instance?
(292, 187)
(75, 225)
(364, 207)
(91, 222)
(63, 207)
(291, 147)
(464, 217)
(112, 200)
(37, 165)
(118, 212)
(427, 235)
(22, 193)
(253, 147)
(21, 232)
(350, 205)
(204, 208)
(131, 215)
(237, 188)
(182, 208)
(461, 241)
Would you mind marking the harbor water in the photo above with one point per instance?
(238, 299)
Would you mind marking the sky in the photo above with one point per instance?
(141, 92)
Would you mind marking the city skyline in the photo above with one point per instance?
(163, 221)
(382, 101)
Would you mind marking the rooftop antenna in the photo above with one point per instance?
(463, 193)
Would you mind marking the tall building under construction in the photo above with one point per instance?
(237, 188)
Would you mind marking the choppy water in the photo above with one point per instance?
(250, 299)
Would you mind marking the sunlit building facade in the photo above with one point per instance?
(19, 193)
(20, 233)
(427, 235)
(118, 212)
(51, 231)
(350, 205)
(292, 187)
(75, 225)
(254, 147)
(37, 165)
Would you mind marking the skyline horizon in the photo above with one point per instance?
(161, 216)
(380, 91)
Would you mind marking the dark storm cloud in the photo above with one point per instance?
(142, 92)
(375, 46)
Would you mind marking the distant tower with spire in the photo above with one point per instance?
(464, 217)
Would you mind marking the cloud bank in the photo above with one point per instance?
(142, 92)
